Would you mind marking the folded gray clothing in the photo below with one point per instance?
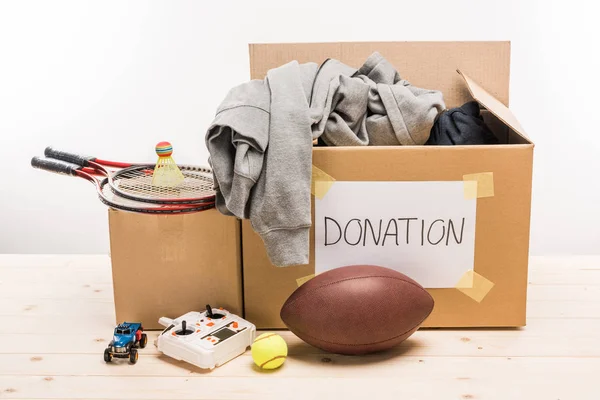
(260, 141)
(371, 105)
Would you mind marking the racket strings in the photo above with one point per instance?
(122, 201)
(138, 183)
(113, 200)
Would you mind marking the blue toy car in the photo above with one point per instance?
(127, 337)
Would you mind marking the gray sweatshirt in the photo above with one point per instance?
(260, 142)
(260, 146)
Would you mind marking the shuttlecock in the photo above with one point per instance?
(166, 172)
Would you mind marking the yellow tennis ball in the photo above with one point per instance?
(269, 351)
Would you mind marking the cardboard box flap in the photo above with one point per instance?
(429, 65)
(493, 105)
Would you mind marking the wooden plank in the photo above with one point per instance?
(35, 316)
(544, 338)
(563, 309)
(296, 365)
(462, 379)
(51, 325)
(89, 277)
(51, 261)
(87, 308)
(563, 292)
(96, 291)
(43, 298)
(57, 276)
(61, 309)
(85, 289)
(588, 277)
(67, 343)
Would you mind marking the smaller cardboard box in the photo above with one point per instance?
(478, 279)
(167, 265)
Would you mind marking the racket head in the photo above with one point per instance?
(113, 200)
(135, 183)
(108, 197)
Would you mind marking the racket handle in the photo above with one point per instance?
(68, 157)
(60, 167)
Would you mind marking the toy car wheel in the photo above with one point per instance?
(107, 355)
(133, 356)
(143, 340)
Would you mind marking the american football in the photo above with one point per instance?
(357, 309)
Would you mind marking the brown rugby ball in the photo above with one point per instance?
(357, 309)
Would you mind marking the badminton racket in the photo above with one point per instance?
(134, 181)
(108, 197)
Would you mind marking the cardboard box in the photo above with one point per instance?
(501, 229)
(167, 265)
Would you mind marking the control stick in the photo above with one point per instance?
(210, 314)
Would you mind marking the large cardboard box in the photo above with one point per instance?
(501, 229)
(167, 265)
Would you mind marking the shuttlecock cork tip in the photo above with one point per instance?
(164, 149)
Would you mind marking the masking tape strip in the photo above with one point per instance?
(321, 183)
(304, 279)
(474, 285)
(478, 185)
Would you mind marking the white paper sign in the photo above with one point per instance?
(425, 230)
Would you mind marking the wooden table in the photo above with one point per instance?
(56, 317)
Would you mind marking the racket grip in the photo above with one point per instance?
(60, 167)
(68, 157)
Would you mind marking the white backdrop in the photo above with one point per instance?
(112, 78)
